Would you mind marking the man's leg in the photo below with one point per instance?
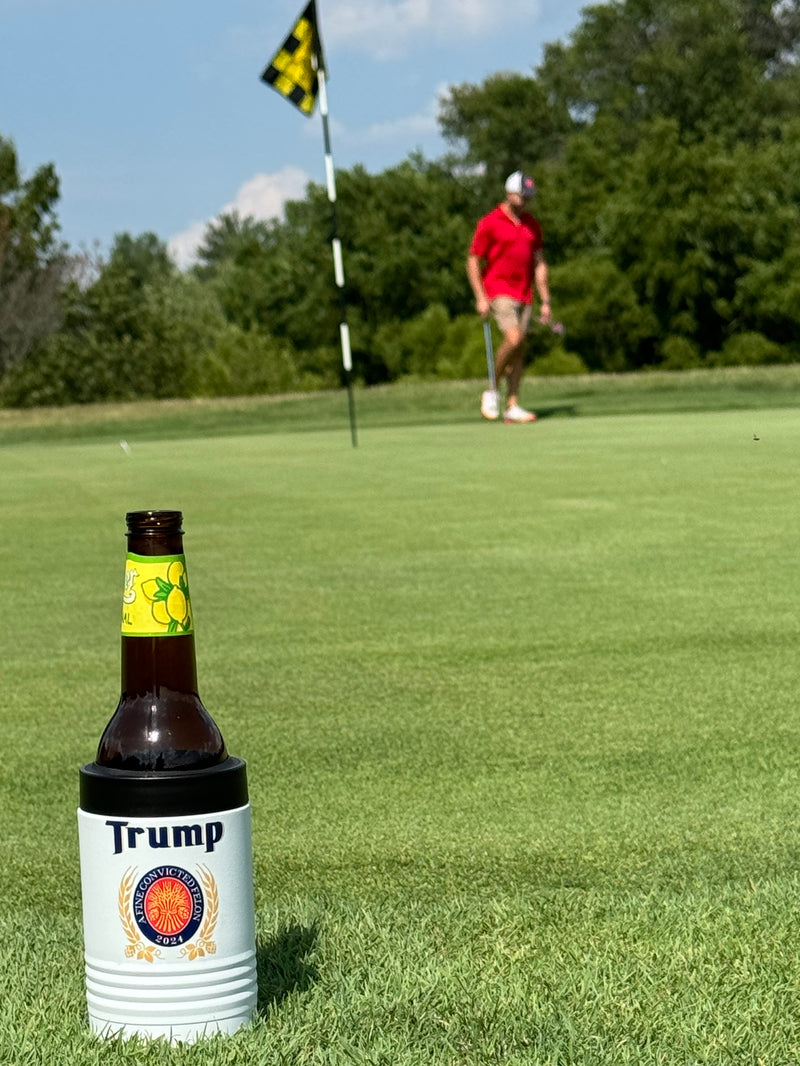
(509, 362)
(513, 318)
(506, 315)
(511, 355)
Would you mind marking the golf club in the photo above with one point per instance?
(487, 339)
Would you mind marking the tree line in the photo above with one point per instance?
(664, 136)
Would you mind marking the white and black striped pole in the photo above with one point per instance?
(338, 262)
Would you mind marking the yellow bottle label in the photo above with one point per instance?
(156, 601)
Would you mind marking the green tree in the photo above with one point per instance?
(33, 265)
(232, 238)
(404, 235)
(276, 276)
(136, 331)
(607, 325)
(690, 224)
(533, 126)
(140, 260)
(717, 67)
(112, 304)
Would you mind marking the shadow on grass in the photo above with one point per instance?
(282, 966)
(555, 410)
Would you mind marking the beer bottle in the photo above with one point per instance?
(160, 722)
(164, 827)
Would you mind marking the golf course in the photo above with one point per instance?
(519, 706)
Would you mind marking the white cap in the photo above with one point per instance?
(521, 183)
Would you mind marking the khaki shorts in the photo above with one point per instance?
(509, 313)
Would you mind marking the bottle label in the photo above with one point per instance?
(156, 601)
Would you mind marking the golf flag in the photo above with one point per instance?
(298, 72)
(293, 71)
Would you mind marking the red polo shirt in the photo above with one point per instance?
(509, 253)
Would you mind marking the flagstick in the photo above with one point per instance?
(338, 263)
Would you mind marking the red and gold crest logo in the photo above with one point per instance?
(168, 907)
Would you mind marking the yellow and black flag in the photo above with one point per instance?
(293, 70)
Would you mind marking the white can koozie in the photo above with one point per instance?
(168, 923)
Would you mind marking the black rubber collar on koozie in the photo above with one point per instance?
(160, 794)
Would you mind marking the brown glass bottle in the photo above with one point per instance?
(160, 722)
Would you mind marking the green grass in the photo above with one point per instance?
(408, 403)
(519, 708)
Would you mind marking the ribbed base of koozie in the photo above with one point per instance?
(171, 1003)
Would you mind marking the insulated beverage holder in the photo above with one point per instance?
(164, 825)
(167, 901)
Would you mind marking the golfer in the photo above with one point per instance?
(504, 263)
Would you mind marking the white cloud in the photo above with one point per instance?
(402, 130)
(387, 28)
(183, 246)
(262, 197)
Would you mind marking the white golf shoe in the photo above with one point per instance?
(518, 414)
(490, 404)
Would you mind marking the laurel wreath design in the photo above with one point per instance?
(204, 945)
(135, 946)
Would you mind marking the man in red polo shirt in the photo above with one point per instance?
(505, 262)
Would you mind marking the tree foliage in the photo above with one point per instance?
(664, 136)
(534, 126)
(404, 235)
(33, 267)
(142, 329)
(719, 68)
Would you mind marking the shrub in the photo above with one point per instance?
(607, 326)
(245, 363)
(750, 349)
(408, 347)
(462, 353)
(431, 345)
(678, 353)
(68, 369)
(558, 362)
(141, 344)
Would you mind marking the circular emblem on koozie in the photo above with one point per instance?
(168, 905)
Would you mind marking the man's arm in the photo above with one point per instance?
(476, 282)
(542, 283)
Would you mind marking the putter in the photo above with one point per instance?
(487, 340)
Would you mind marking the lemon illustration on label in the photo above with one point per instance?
(156, 597)
(169, 598)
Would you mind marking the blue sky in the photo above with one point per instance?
(154, 116)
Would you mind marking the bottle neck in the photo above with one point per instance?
(155, 533)
(160, 722)
(150, 664)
